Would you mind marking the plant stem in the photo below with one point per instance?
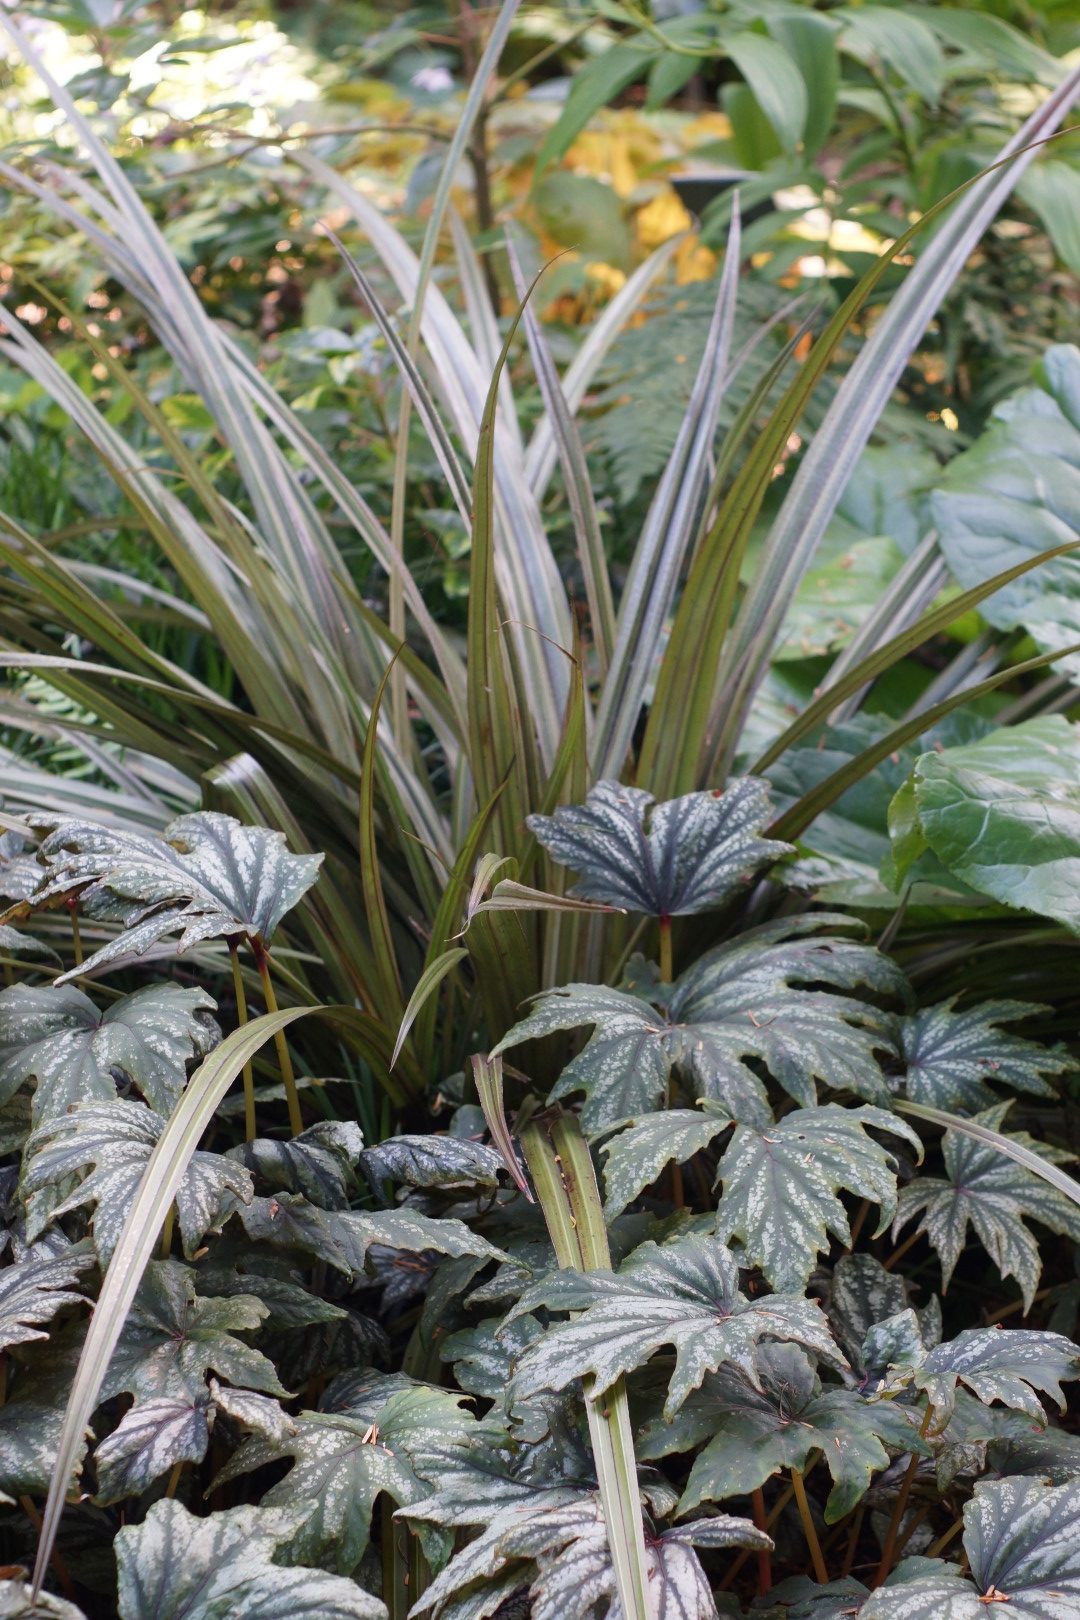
(281, 1045)
(821, 1573)
(889, 1550)
(76, 936)
(174, 1478)
(858, 1223)
(67, 1585)
(898, 1254)
(167, 1232)
(943, 1541)
(665, 950)
(853, 1540)
(764, 1565)
(242, 1018)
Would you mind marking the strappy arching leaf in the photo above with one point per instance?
(684, 1294)
(116, 1139)
(993, 1194)
(32, 1291)
(949, 1056)
(750, 1434)
(343, 1462)
(175, 1566)
(1024, 1555)
(56, 1037)
(317, 1164)
(693, 854)
(432, 1161)
(781, 1182)
(149, 1440)
(174, 1339)
(743, 1004)
(636, 1157)
(207, 877)
(998, 1364)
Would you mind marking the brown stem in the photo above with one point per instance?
(821, 1573)
(898, 1254)
(888, 1553)
(281, 1045)
(174, 1478)
(665, 950)
(853, 1540)
(167, 1232)
(764, 1564)
(943, 1541)
(242, 1018)
(858, 1223)
(76, 936)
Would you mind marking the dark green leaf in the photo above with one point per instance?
(432, 1161)
(949, 1056)
(317, 1164)
(57, 1037)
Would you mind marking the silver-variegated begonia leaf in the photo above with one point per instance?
(1024, 1557)
(34, 1289)
(116, 1140)
(993, 1194)
(781, 1182)
(206, 877)
(637, 1156)
(15, 942)
(174, 1338)
(999, 1364)
(343, 1237)
(750, 1434)
(175, 1566)
(18, 1603)
(343, 1461)
(746, 1004)
(863, 1295)
(149, 1440)
(949, 1056)
(55, 1036)
(317, 1164)
(684, 1294)
(666, 859)
(450, 1162)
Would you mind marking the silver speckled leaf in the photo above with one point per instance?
(175, 1566)
(781, 1183)
(949, 1056)
(207, 877)
(684, 1294)
(1001, 1364)
(115, 1140)
(993, 1194)
(149, 1440)
(1024, 1554)
(33, 1290)
(666, 859)
(56, 1036)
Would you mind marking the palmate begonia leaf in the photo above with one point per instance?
(343, 1237)
(993, 1194)
(174, 1338)
(432, 1161)
(343, 1461)
(175, 1566)
(117, 1139)
(1024, 1557)
(57, 1037)
(949, 1056)
(999, 1364)
(636, 1156)
(750, 1434)
(16, 942)
(207, 877)
(317, 1164)
(35, 1288)
(781, 1182)
(744, 1004)
(863, 1295)
(150, 1439)
(667, 859)
(684, 1294)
